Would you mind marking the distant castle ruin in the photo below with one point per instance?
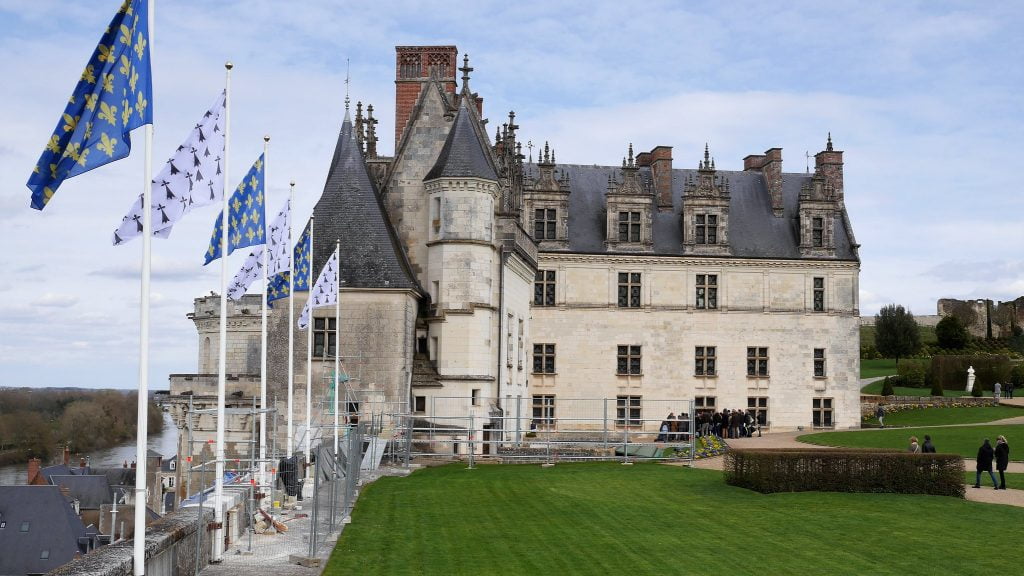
(983, 318)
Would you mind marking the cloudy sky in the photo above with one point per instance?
(923, 97)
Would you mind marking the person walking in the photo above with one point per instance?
(927, 447)
(880, 415)
(1009, 389)
(1002, 453)
(996, 392)
(915, 448)
(985, 455)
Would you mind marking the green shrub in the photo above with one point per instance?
(1017, 376)
(913, 373)
(787, 470)
(976, 391)
(951, 333)
(869, 352)
(887, 387)
(937, 389)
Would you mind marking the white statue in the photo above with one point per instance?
(970, 379)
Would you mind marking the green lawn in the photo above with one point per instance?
(877, 367)
(963, 440)
(605, 518)
(876, 388)
(945, 416)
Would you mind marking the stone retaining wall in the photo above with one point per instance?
(170, 550)
(869, 403)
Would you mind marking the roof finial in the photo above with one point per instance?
(553, 156)
(347, 78)
(547, 152)
(707, 156)
(630, 154)
(828, 146)
(466, 69)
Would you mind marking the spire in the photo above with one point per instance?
(828, 145)
(631, 155)
(371, 133)
(465, 69)
(347, 79)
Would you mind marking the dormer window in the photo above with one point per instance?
(817, 232)
(629, 226)
(544, 222)
(707, 229)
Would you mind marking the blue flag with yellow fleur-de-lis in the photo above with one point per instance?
(246, 214)
(113, 97)
(278, 284)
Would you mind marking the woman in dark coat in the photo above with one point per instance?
(985, 454)
(1002, 453)
(927, 447)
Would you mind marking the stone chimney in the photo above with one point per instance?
(829, 163)
(33, 469)
(769, 165)
(414, 66)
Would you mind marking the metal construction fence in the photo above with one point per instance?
(335, 478)
(524, 429)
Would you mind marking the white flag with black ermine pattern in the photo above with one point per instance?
(279, 258)
(247, 274)
(192, 177)
(324, 292)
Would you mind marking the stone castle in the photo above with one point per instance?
(469, 272)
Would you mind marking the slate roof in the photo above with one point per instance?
(52, 526)
(350, 210)
(90, 491)
(463, 154)
(754, 232)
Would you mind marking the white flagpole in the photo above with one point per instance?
(218, 491)
(309, 342)
(291, 327)
(337, 336)
(142, 413)
(263, 334)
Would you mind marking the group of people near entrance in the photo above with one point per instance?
(724, 424)
(986, 454)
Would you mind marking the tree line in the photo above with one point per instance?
(38, 423)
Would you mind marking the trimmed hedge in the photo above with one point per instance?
(845, 470)
(951, 371)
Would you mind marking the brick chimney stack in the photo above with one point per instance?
(413, 68)
(660, 161)
(769, 165)
(33, 469)
(829, 163)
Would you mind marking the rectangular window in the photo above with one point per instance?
(707, 291)
(757, 361)
(543, 410)
(817, 232)
(475, 396)
(544, 288)
(627, 411)
(508, 341)
(704, 361)
(544, 221)
(435, 208)
(822, 413)
(819, 362)
(519, 349)
(704, 405)
(544, 358)
(629, 226)
(629, 289)
(706, 231)
(757, 406)
(628, 360)
(325, 330)
(819, 294)
(420, 404)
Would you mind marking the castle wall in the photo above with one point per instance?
(586, 326)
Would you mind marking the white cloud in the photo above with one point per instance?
(52, 300)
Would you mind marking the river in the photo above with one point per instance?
(165, 443)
